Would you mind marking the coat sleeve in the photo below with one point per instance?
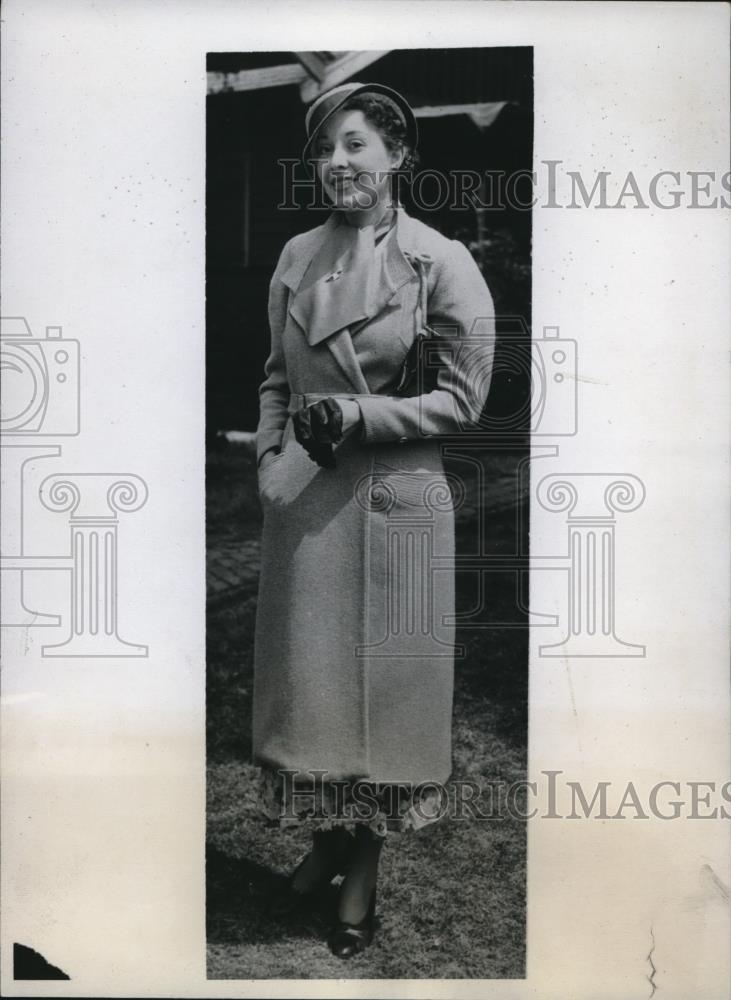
(274, 390)
(460, 307)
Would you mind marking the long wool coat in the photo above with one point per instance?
(353, 648)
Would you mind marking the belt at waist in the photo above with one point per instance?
(299, 399)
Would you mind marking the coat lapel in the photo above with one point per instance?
(397, 272)
(294, 274)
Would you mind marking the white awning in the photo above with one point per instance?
(483, 115)
(314, 73)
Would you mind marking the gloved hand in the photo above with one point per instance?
(318, 427)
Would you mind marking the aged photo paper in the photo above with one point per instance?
(573, 171)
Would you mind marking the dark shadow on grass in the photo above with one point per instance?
(239, 898)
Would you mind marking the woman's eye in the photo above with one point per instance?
(356, 144)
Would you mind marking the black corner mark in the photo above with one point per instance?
(29, 964)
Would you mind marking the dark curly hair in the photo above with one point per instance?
(380, 113)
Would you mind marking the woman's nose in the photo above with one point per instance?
(338, 160)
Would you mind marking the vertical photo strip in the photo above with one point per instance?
(369, 402)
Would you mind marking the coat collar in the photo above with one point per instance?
(404, 242)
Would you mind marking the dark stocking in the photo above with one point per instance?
(326, 845)
(355, 892)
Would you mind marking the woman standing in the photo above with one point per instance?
(354, 638)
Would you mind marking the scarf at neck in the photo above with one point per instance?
(347, 280)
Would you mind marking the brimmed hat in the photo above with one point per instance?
(322, 110)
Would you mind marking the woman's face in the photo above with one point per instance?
(353, 162)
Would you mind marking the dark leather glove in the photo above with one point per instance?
(318, 427)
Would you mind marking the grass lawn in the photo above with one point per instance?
(451, 898)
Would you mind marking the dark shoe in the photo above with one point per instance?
(347, 939)
(291, 900)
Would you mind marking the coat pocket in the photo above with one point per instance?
(266, 471)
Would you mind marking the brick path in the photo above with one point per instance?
(232, 567)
